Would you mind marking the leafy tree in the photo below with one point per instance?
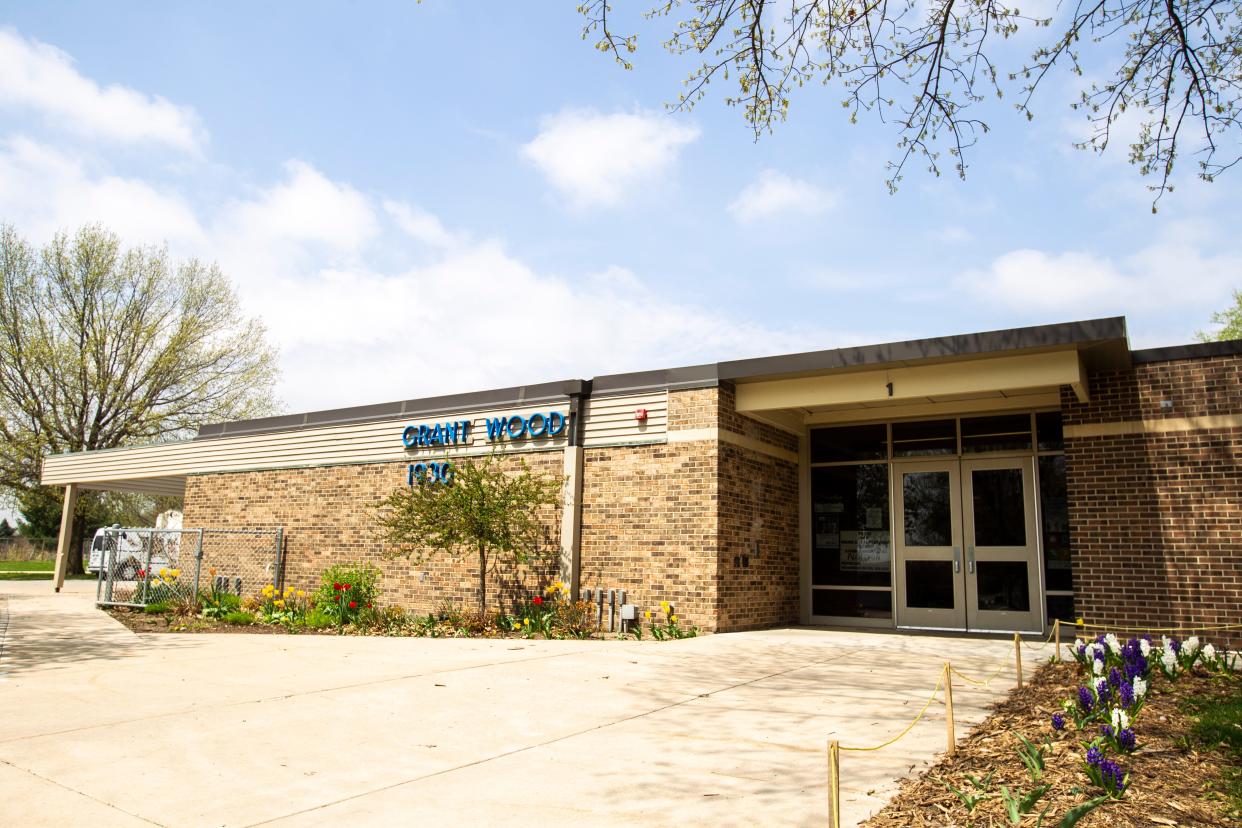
(485, 510)
(102, 347)
(1229, 320)
(927, 65)
(6, 529)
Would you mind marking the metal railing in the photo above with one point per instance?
(137, 567)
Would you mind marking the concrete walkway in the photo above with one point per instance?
(103, 727)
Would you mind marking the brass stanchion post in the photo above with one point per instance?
(834, 784)
(1017, 656)
(948, 707)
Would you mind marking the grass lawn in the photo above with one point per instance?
(34, 571)
(27, 566)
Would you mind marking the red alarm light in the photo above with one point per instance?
(641, 415)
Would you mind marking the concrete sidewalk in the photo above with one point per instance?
(105, 727)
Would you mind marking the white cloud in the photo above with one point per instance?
(774, 193)
(1170, 273)
(599, 160)
(44, 190)
(421, 225)
(309, 208)
(42, 78)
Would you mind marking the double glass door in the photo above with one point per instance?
(965, 544)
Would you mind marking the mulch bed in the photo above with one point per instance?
(1171, 780)
(142, 622)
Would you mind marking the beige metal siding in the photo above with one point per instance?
(612, 420)
(330, 445)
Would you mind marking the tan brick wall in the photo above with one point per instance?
(1156, 519)
(649, 517)
(664, 522)
(328, 517)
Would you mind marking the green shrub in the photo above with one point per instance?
(240, 618)
(157, 608)
(219, 604)
(319, 619)
(347, 590)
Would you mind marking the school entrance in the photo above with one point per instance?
(950, 524)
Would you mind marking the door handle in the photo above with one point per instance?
(957, 559)
(970, 560)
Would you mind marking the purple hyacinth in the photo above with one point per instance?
(1086, 699)
(1103, 691)
(1058, 722)
(1175, 645)
(1094, 756)
(1126, 740)
(1136, 667)
(1106, 731)
(1126, 695)
(1131, 649)
(1113, 776)
(1082, 649)
(1114, 677)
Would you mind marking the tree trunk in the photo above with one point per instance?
(73, 560)
(482, 580)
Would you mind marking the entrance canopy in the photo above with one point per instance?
(1016, 369)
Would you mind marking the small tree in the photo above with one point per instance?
(1229, 322)
(485, 510)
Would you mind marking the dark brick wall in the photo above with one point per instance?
(1156, 517)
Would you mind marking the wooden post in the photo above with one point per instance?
(1017, 656)
(66, 535)
(1056, 634)
(834, 784)
(948, 707)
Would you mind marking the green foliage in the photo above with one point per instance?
(157, 608)
(1218, 724)
(491, 510)
(318, 619)
(219, 603)
(346, 591)
(670, 627)
(1017, 805)
(7, 530)
(1228, 322)
(1079, 811)
(1032, 756)
(240, 618)
(970, 799)
(102, 347)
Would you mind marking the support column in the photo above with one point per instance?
(571, 503)
(66, 534)
(571, 520)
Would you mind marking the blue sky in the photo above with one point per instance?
(423, 199)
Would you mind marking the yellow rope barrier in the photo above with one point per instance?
(983, 682)
(909, 727)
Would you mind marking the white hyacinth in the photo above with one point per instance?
(1169, 659)
(1144, 647)
(1113, 643)
(1140, 687)
(1191, 645)
(1120, 720)
(1209, 652)
(1097, 666)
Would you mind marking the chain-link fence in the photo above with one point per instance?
(20, 548)
(139, 567)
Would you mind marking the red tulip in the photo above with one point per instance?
(538, 599)
(337, 587)
(353, 605)
(347, 586)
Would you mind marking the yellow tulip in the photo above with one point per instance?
(301, 594)
(664, 605)
(672, 618)
(647, 614)
(526, 621)
(279, 603)
(176, 573)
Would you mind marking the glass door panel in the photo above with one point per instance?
(1002, 572)
(930, 588)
